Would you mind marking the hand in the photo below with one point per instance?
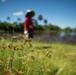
(25, 32)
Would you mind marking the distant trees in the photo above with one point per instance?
(45, 21)
(18, 27)
(38, 27)
(40, 18)
(74, 29)
(54, 28)
(8, 27)
(8, 18)
(51, 27)
(67, 29)
(34, 21)
(19, 19)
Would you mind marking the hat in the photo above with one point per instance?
(31, 12)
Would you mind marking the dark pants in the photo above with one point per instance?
(30, 35)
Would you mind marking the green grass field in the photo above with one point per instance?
(41, 59)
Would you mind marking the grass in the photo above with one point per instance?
(41, 59)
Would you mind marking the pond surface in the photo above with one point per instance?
(49, 37)
(61, 37)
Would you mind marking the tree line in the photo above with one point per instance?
(18, 27)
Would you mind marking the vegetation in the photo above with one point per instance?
(45, 21)
(41, 59)
(40, 17)
(18, 27)
(68, 29)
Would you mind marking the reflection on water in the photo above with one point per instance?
(62, 37)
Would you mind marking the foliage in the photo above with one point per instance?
(19, 19)
(45, 21)
(17, 58)
(38, 27)
(68, 29)
(34, 21)
(8, 18)
(74, 29)
(40, 17)
(51, 27)
(18, 27)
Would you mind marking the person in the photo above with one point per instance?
(28, 24)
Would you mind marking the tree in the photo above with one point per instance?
(40, 17)
(38, 27)
(45, 21)
(68, 29)
(6, 26)
(8, 18)
(35, 22)
(19, 19)
(74, 29)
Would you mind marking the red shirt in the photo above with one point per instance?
(28, 25)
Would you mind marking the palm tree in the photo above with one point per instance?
(35, 22)
(19, 19)
(45, 21)
(40, 17)
(8, 18)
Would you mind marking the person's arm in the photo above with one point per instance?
(26, 25)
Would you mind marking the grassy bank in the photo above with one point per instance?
(41, 59)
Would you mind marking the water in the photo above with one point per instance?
(61, 37)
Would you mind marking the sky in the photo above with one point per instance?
(58, 12)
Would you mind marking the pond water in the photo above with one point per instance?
(49, 37)
(62, 37)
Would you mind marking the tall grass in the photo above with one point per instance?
(41, 59)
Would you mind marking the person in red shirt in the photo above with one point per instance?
(28, 24)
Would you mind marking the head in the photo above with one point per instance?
(30, 13)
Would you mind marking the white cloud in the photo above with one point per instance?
(3, 0)
(18, 13)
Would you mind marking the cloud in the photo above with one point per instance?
(18, 13)
(3, 0)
